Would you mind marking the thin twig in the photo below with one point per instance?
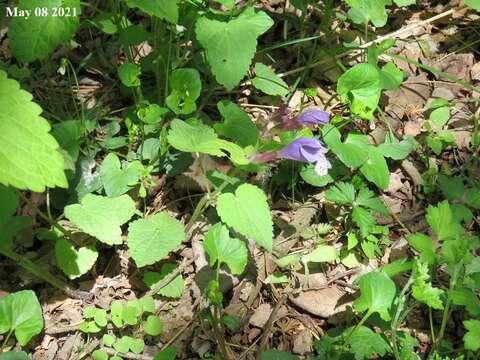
(268, 325)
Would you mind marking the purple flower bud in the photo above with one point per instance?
(313, 117)
(307, 150)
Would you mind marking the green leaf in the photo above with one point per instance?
(226, 250)
(29, 157)
(21, 313)
(377, 292)
(360, 87)
(137, 345)
(99, 355)
(472, 337)
(170, 353)
(151, 239)
(322, 253)
(133, 35)
(248, 213)
(452, 187)
(391, 76)
(98, 315)
(267, 81)
(185, 86)
(364, 219)
(74, 263)
(342, 193)
(129, 74)
(466, 297)
(122, 345)
(173, 289)
(37, 36)
(441, 221)
(353, 152)
(276, 278)
(274, 354)
(237, 125)
(364, 11)
(108, 340)
(375, 169)
(201, 138)
(117, 181)
(14, 355)
(365, 343)
(230, 46)
(116, 313)
(153, 326)
(69, 134)
(367, 198)
(10, 225)
(163, 9)
(404, 2)
(424, 245)
(422, 289)
(398, 151)
(473, 198)
(440, 116)
(101, 217)
(89, 327)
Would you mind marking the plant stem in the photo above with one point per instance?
(44, 216)
(42, 274)
(395, 322)
(6, 339)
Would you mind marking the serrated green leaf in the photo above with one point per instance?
(237, 125)
(267, 81)
(424, 245)
(342, 193)
(153, 326)
(37, 36)
(364, 219)
(21, 314)
(466, 297)
(117, 180)
(29, 157)
(472, 336)
(101, 217)
(375, 168)
(164, 9)
(74, 263)
(377, 292)
(441, 221)
(452, 187)
(367, 198)
(185, 86)
(226, 250)
(247, 212)
(230, 46)
(365, 343)
(473, 198)
(151, 239)
(173, 289)
(360, 87)
(422, 289)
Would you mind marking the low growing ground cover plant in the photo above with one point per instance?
(239, 179)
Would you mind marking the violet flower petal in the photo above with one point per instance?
(313, 117)
(303, 149)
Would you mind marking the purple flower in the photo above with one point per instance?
(313, 117)
(309, 117)
(307, 150)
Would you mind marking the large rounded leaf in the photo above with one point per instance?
(150, 240)
(28, 153)
(36, 36)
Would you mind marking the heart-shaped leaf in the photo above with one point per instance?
(74, 262)
(117, 181)
(377, 292)
(101, 217)
(248, 213)
(152, 239)
(21, 313)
